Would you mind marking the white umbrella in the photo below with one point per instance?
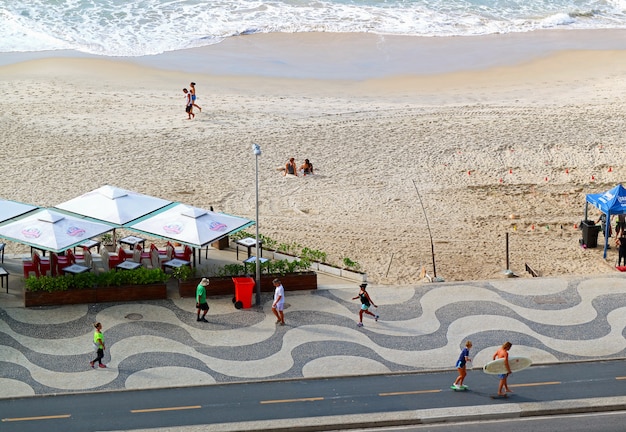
(190, 225)
(50, 230)
(11, 209)
(113, 205)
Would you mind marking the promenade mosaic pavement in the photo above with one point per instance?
(160, 343)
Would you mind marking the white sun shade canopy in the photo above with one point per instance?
(190, 225)
(11, 209)
(113, 205)
(50, 230)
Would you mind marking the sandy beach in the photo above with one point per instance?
(495, 145)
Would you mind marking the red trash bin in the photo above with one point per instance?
(244, 286)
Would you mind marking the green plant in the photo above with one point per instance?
(313, 255)
(140, 276)
(268, 243)
(277, 266)
(290, 248)
(183, 273)
(231, 270)
(106, 239)
(238, 235)
(352, 265)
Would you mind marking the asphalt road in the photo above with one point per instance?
(294, 399)
(604, 422)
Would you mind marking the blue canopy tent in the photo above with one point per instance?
(611, 202)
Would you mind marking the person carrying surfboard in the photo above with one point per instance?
(461, 367)
(503, 353)
(366, 301)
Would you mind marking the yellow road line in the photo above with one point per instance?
(60, 416)
(147, 410)
(313, 399)
(536, 384)
(409, 392)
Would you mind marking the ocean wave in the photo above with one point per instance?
(147, 27)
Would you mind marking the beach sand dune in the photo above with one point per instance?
(510, 149)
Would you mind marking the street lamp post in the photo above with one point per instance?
(256, 149)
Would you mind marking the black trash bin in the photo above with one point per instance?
(590, 233)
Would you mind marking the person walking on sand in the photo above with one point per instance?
(188, 104)
(366, 302)
(461, 367)
(201, 303)
(192, 90)
(279, 302)
(98, 342)
(503, 353)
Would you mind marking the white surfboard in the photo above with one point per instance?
(516, 364)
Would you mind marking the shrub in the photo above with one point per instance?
(140, 276)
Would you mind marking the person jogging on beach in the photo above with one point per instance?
(366, 302)
(461, 367)
(503, 353)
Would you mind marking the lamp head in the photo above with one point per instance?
(256, 149)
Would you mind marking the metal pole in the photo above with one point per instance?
(507, 251)
(257, 152)
(432, 244)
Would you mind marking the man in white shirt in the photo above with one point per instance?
(279, 302)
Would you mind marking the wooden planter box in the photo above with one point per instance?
(226, 286)
(96, 295)
(125, 293)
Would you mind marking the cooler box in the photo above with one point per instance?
(244, 286)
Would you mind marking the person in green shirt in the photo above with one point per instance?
(98, 342)
(201, 304)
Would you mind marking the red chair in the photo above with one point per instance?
(162, 253)
(62, 262)
(123, 254)
(53, 264)
(71, 258)
(31, 265)
(109, 259)
(185, 255)
(45, 265)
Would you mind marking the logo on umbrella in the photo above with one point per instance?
(31, 232)
(217, 226)
(173, 228)
(75, 231)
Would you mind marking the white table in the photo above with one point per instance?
(248, 242)
(76, 269)
(89, 244)
(176, 263)
(4, 275)
(128, 265)
(252, 260)
(132, 241)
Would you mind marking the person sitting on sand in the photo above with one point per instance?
(306, 167)
(290, 167)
